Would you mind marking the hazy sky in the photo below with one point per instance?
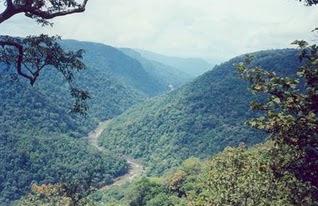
(214, 29)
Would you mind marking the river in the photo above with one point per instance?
(135, 168)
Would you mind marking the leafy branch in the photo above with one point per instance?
(31, 55)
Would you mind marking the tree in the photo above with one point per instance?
(51, 195)
(289, 112)
(243, 176)
(31, 55)
(289, 109)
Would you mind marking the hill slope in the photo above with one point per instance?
(199, 119)
(38, 146)
(126, 67)
(115, 80)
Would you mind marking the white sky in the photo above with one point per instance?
(212, 29)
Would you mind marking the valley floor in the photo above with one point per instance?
(135, 168)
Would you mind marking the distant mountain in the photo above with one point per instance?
(39, 137)
(169, 76)
(114, 79)
(199, 119)
(191, 66)
(113, 62)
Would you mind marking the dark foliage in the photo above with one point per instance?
(309, 2)
(289, 113)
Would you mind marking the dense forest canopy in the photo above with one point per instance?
(199, 119)
(39, 145)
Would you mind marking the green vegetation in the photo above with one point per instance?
(282, 171)
(236, 176)
(37, 145)
(42, 159)
(199, 119)
(114, 80)
(128, 69)
(290, 113)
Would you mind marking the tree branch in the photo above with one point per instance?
(48, 15)
(8, 12)
(19, 61)
(34, 11)
(32, 54)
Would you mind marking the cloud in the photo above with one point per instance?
(201, 28)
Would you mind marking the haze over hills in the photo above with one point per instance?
(115, 63)
(199, 119)
(191, 66)
(114, 79)
(39, 137)
(168, 75)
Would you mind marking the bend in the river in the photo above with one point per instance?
(135, 168)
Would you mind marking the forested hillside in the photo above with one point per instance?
(38, 130)
(128, 69)
(199, 119)
(38, 145)
(115, 80)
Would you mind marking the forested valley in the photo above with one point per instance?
(87, 124)
(42, 142)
